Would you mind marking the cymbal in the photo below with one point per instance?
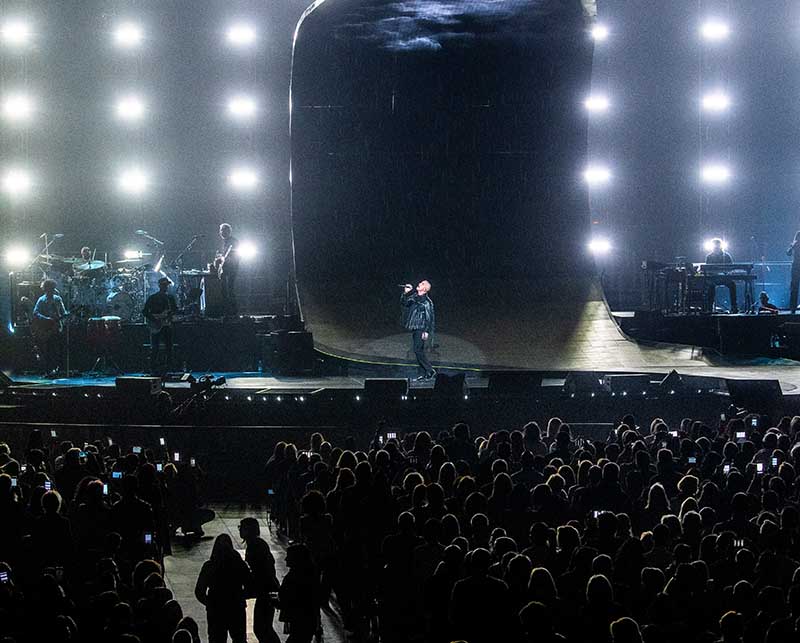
(90, 265)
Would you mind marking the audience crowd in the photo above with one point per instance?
(655, 534)
(83, 534)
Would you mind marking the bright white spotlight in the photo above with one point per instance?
(130, 108)
(716, 102)
(714, 30)
(128, 35)
(242, 107)
(18, 257)
(241, 35)
(243, 179)
(599, 246)
(16, 32)
(17, 182)
(133, 254)
(247, 250)
(18, 108)
(597, 175)
(596, 103)
(133, 181)
(715, 174)
(708, 245)
(599, 32)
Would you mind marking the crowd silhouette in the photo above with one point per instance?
(657, 534)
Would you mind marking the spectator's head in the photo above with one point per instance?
(599, 593)
(625, 630)
(249, 529)
(542, 588)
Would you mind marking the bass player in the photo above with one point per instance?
(159, 310)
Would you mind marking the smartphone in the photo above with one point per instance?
(48, 486)
(105, 489)
(380, 439)
(159, 467)
(738, 543)
(674, 434)
(754, 422)
(692, 459)
(726, 469)
(110, 441)
(664, 444)
(595, 513)
(4, 577)
(13, 482)
(391, 435)
(162, 441)
(53, 434)
(741, 435)
(148, 539)
(23, 468)
(176, 456)
(270, 492)
(722, 416)
(193, 462)
(137, 450)
(774, 462)
(116, 475)
(759, 467)
(82, 456)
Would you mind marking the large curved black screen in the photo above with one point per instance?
(439, 139)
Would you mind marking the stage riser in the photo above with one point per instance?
(205, 345)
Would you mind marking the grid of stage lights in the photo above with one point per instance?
(714, 102)
(18, 108)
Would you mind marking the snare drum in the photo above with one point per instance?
(120, 304)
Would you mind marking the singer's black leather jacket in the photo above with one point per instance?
(418, 312)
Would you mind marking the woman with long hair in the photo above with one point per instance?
(222, 587)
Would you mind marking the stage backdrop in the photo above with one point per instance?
(439, 140)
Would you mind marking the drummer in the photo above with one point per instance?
(86, 253)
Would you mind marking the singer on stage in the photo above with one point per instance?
(419, 318)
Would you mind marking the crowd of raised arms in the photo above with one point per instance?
(687, 533)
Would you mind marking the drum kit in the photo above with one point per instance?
(94, 288)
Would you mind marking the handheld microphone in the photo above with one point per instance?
(404, 285)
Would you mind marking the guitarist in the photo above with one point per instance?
(158, 311)
(228, 267)
(46, 325)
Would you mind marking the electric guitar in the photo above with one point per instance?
(219, 262)
(44, 329)
(157, 321)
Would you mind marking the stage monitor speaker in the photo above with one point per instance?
(634, 384)
(582, 382)
(385, 388)
(514, 383)
(139, 386)
(450, 385)
(757, 396)
(5, 380)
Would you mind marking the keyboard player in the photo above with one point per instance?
(719, 256)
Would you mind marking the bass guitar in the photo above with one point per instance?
(157, 321)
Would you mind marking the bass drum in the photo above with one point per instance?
(120, 304)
